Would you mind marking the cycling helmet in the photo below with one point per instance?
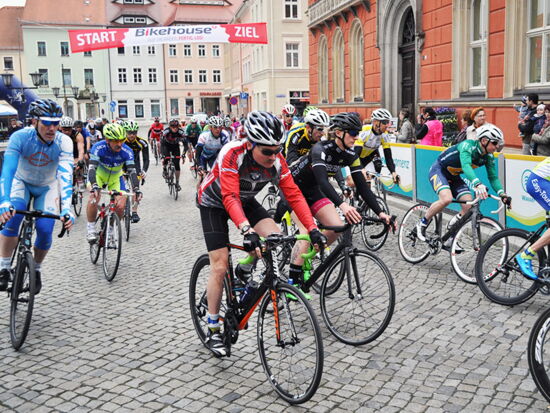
(130, 126)
(157, 119)
(289, 109)
(91, 125)
(308, 109)
(78, 124)
(264, 128)
(114, 132)
(317, 117)
(346, 121)
(193, 120)
(215, 121)
(227, 122)
(45, 108)
(381, 114)
(174, 122)
(492, 133)
(66, 122)
(98, 121)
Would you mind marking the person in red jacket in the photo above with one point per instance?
(155, 132)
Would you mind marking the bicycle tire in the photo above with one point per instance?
(112, 243)
(348, 316)
(194, 173)
(127, 218)
(77, 202)
(411, 248)
(22, 299)
(463, 263)
(535, 353)
(497, 274)
(370, 243)
(95, 248)
(303, 344)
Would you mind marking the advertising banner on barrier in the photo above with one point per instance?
(402, 157)
(526, 213)
(96, 39)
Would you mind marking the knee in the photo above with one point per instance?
(44, 229)
(446, 199)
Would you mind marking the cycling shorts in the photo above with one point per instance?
(440, 179)
(315, 198)
(171, 148)
(539, 189)
(193, 141)
(110, 181)
(215, 227)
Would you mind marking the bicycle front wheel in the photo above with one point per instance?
(411, 248)
(536, 353)
(464, 252)
(95, 248)
(497, 273)
(368, 228)
(22, 300)
(361, 308)
(77, 201)
(113, 247)
(127, 218)
(290, 344)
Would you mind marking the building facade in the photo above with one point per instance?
(443, 53)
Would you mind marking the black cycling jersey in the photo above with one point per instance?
(73, 136)
(173, 137)
(138, 146)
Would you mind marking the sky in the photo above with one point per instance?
(12, 3)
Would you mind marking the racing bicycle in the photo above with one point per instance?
(171, 175)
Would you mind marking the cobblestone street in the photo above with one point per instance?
(130, 345)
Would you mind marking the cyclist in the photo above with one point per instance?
(38, 164)
(538, 186)
(243, 168)
(155, 132)
(192, 132)
(66, 126)
(107, 158)
(95, 134)
(304, 135)
(464, 158)
(228, 128)
(311, 173)
(210, 142)
(170, 144)
(288, 112)
(138, 146)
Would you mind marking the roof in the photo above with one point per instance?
(80, 12)
(10, 38)
(184, 13)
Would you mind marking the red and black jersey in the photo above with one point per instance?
(155, 130)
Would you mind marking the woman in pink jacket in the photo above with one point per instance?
(431, 132)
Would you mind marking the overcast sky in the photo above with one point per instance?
(12, 3)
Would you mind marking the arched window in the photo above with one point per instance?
(478, 43)
(357, 61)
(322, 56)
(338, 67)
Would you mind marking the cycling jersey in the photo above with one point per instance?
(106, 165)
(297, 143)
(155, 131)
(192, 133)
(73, 136)
(209, 146)
(288, 126)
(95, 137)
(139, 145)
(236, 178)
(173, 137)
(543, 169)
(367, 144)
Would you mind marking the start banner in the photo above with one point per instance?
(95, 39)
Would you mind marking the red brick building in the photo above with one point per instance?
(413, 53)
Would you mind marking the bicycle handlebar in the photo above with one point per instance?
(478, 200)
(41, 214)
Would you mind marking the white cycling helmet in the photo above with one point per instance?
(317, 117)
(492, 133)
(193, 119)
(98, 121)
(215, 121)
(66, 122)
(264, 128)
(381, 114)
(289, 109)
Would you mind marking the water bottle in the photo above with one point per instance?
(453, 220)
(243, 272)
(248, 293)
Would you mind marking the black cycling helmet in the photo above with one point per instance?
(45, 108)
(174, 122)
(346, 121)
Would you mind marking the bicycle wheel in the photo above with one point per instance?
(22, 299)
(156, 152)
(290, 344)
(536, 353)
(113, 246)
(95, 248)
(361, 308)
(411, 248)
(368, 228)
(77, 201)
(127, 217)
(463, 255)
(194, 170)
(497, 273)
(198, 303)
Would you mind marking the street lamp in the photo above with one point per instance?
(7, 79)
(56, 90)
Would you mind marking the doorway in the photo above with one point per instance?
(408, 63)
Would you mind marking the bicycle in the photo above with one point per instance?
(171, 175)
(376, 185)
(468, 234)
(154, 144)
(23, 286)
(536, 354)
(193, 167)
(78, 188)
(108, 228)
(498, 274)
(289, 329)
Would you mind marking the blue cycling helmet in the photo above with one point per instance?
(46, 109)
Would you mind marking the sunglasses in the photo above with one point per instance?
(319, 129)
(49, 122)
(352, 132)
(384, 122)
(268, 152)
(288, 116)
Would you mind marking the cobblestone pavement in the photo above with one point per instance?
(130, 345)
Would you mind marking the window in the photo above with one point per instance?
(356, 61)
(41, 48)
(538, 42)
(139, 109)
(152, 75)
(136, 50)
(478, 43)
(88, 77)
(66, 77)
(174, 109)
(133, 1)
(292, 54)
(216, 50)
(291, 9)
(216, 76)
(322, 56)
(122, 75)
(64, 48)
(189, 110)
(202, 76)
(155, 108)
(88, 53)
(202, 50)
(172, 50)
(188, 76)
(151, 51)
(8, 63)
(122, 108)
(187, 50)
(338, 67)
(174, 76)
(137, 75)
(44, 78)
(120, 51)
(133, 20)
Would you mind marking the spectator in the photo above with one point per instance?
(431, 132)
(406, 133)
(13, 126)
(542, 139)
(478, 119)
(527, 124)
(522, 108)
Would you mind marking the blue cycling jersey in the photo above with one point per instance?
(109, 161)
(211, 147)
